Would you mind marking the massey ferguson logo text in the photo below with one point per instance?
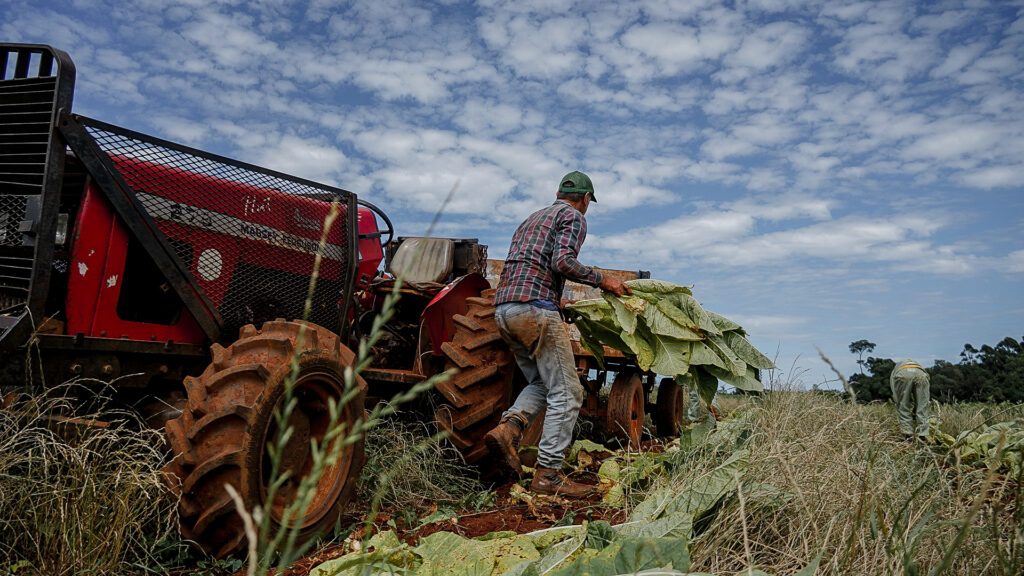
(168, 210)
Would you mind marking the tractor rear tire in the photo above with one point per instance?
(626, 408)
(472, 401)
(670, 407)
(222, 435)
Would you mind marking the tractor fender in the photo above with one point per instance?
(438, 316)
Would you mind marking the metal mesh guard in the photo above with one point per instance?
(248, 237)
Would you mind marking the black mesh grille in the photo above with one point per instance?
(12, 211)
(248, 236)
(35, 82)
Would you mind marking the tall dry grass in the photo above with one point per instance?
(835, 479)
(79, 496)
(407, 467)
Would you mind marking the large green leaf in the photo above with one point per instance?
(554, 555)
(590, 343)
(677, 525)
(703, 356)
(670, 356)
(594, 310)
(656, 287)
(659, 322)
(732, 361)
(745, 382)
(685, 325)
(694, 310)
(449, 553)
(631, 556)
(746, 351)
(387, 554)
(625, 318)
(723, 323)
(707, 384)
(705, 492)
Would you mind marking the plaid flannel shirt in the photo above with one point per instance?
(543, 256)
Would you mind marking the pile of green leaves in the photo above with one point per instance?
(668, 332)
(998, 446)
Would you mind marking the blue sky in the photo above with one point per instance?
(820, 171)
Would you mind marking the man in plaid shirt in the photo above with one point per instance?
(541, 258)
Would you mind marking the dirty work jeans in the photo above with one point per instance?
(910, 394)
(540, 342)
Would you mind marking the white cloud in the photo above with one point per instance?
(319, 162)
(957, 59)
(1015, 262)
(769, 46)
(995, 177)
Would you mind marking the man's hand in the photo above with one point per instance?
(614, 285)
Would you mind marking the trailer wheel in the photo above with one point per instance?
(626, 408)
(669, 408)
(472, 401)
(222, 435)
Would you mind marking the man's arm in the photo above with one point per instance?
(572, 231)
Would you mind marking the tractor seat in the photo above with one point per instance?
(423, 260)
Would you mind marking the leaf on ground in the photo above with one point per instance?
(584, 445)
(551, 556)
(440, 515)
(387, 554)
(705, 492)
(448, 553)
(599, 535)
(695, 434)
(632, 556)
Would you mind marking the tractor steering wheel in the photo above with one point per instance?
(390, 228)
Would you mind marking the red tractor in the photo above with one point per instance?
(177, 276)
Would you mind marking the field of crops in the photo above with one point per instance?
(789, 483)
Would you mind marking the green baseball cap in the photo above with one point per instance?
(577, 182)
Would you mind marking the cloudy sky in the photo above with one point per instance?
(819, 171)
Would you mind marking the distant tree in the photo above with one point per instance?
(875, 384)
(969, 355)
(860, 348)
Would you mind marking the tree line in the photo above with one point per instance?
(986, 374)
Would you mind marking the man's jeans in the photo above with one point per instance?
(541, 345)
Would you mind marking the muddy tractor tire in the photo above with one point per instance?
(222, 435)
(670, 407)
(472, 401)
(626, 408)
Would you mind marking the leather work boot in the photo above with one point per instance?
(554, 482)
(503, 442)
